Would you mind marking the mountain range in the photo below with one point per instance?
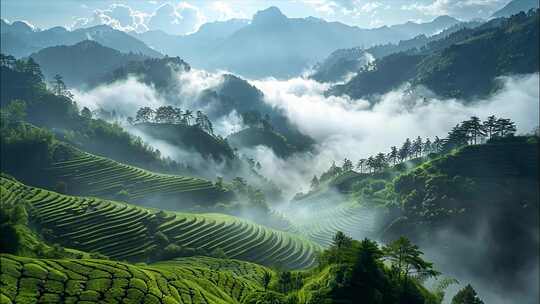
(274, 45)
(499, 47)
(20, 40)
(81, 63)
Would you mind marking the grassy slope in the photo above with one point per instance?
(195, 280)
(88, 174)
(124, 231)
(340, 207)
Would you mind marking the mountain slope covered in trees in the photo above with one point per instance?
(81, 63)
(23, 86)
(476, 186)
(500, 47)
(344, 63)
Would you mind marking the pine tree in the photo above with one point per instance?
(360, 166)
(393, 155)
(427, 147)
(347, 165)
(380, 161)
(490, 126)
(406, 259)
(417, 147)
(467, 295)
(474, 127)
(86, 113)
(144, 114)
(405, 150)
(371, 163)
(505, 127)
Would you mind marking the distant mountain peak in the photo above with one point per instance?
(445, 19)
(269, 16)
(22, 26)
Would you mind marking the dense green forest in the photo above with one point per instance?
(499, 47)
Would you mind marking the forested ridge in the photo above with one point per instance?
(499, 47)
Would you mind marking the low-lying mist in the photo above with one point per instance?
(354, 129)
(340, 126)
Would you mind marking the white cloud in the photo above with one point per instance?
(345, 7)
(225, 11)
(179, 19)
(117, 16)
(454, 7)
(341, 127)
(124, 97)
(370, 7)
(350, 128)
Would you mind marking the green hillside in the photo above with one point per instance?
(35, 157)
(193, 281)
(24, 92)
(464, 64)
(321, 227)
(252, 137)
(489, 190)
(190, 138)
(87, 174)
(124, 231)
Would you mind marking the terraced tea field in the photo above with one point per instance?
(126, 232)
(92, 175)
(30, 280)
(321, 221)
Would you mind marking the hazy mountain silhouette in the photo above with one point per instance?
(275, 45)
(516, 6)
(81, 63)
(19, 39)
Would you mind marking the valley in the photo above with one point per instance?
(272, 160)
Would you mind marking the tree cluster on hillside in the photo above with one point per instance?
(54, 109)
(172, 115)
(367, 272)
(12, 214)
(469, 132)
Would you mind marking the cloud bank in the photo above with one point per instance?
(340, 126)
(351, 128)
(178, 19)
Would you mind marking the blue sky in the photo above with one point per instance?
(180, 17)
